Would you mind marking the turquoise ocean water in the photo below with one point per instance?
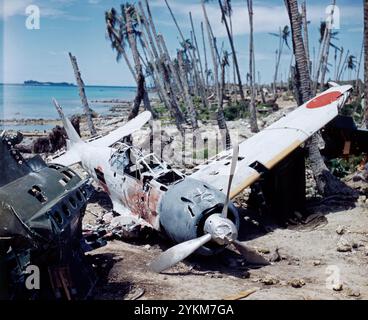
(35, 102)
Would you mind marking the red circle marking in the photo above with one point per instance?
(323, 100)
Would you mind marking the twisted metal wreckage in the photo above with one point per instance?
(194, 211)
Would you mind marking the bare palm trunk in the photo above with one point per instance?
(205, 57)
(82, 94)
(172, 68)
(170, 102)
(343, 67)
(305, 30)
(252, 106)
(220, 111)
(327, 48)
(357, 84)
(339, 64)
(318, 67)
(137, 62)
(191, 110)
(278, 60)
(157, 58)
(235, 59)
(151, 24)
(203, 82)
(195, 69)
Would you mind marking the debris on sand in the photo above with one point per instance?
(340, 230)
(268, 280)
(275, 257)
(111, 226)
(317, 263)
(351, 292)
(264, 250)
(297, 283)
(344, 247)
(337, 287)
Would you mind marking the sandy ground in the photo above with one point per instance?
(307, 263)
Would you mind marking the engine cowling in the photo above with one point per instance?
(185, 208)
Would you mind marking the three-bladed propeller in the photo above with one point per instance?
(218, 228)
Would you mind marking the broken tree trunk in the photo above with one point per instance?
(205, 57)
(252, 72)
(82, 94)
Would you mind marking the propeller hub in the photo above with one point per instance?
(222, 230)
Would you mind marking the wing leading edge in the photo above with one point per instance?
(274, 143)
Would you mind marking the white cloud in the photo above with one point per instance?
(52, 9)
(267, 18)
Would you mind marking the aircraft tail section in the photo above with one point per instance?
(72, 134)
(71, 156)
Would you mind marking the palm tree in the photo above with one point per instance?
(366, 62)
(351, 65)
(252, 71)
(121, 29)
(283, 36)
(327, 184)
(235, 59)
(117, 37)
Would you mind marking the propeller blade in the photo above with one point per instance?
(178, 253)
(234, 161)
(251, 255)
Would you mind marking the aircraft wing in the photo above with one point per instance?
(126, 130)
(267, 148)
(67, 159)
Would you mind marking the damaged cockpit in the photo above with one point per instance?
(147, 168)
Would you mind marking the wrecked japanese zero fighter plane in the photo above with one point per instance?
(41, 210)
(195, 210)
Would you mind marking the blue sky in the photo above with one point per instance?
(78, 26)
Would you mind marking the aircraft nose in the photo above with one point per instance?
(186, 206)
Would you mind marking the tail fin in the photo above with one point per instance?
(72, 134)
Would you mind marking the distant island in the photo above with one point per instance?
(37, 83)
